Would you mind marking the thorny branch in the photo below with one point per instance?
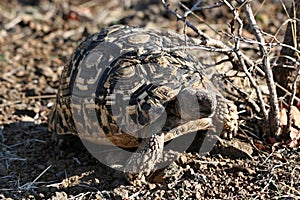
(238, 53)
(204, 37)
(238, 58)
(293, 97)
(273, 116)
(208, 41)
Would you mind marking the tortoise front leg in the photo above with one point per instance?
(150, 152)
(143, 161)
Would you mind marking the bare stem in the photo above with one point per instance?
(273, 116)
(208, 41)
(238, 53)
(291, 102)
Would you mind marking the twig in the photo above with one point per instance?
(291, 101)
(282, 25)
(188, 23)
(273, 116)
(192, 9)
(199, 47)
(269, 45)
(14, 159)
(290, 188)
(238, 53)
(81, 195)
(27, 186)
(27, 141)
(218, 4)
(287, 92)
(248, 132)
(207, 41)
(199, 18)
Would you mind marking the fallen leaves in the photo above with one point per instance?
(293, 131)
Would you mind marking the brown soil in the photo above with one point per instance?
(36, 40)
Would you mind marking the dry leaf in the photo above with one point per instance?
(295, 116)
(295, 138)
(283, 116)
(272, 140)
(260, 146)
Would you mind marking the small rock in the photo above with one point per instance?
(151, 186)
(3, 170)
(43, 189)
(183, 159)
(60, 196)
(41, 195)
(121, 192)
(240, 174)
(61, 165)
(187, 183)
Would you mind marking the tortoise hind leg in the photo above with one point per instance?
(142, 162)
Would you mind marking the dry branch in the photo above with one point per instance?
(238, 53)
(234, 53)
(210, 42)
(273, 116)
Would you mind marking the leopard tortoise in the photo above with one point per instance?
(132, 87)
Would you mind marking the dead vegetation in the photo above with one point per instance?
(36, 40)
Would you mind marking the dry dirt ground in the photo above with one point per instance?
(36, 40)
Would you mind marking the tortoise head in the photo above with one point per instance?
(195, 103)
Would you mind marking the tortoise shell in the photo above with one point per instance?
(125, 83)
